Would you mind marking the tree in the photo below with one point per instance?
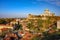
(17, 26)
(2, 21)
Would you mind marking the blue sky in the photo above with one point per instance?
(21, 8)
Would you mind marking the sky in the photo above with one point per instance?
(21, 8)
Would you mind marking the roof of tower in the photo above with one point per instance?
(46, 9)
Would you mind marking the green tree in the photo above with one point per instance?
(17, 27)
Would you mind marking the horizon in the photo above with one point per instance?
(21, 8)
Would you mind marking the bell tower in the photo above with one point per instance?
(46, 11)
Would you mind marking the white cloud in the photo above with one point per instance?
(55, 2)
(34, 2)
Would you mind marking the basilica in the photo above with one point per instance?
(45, 14)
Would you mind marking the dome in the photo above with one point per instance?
(46, 9)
